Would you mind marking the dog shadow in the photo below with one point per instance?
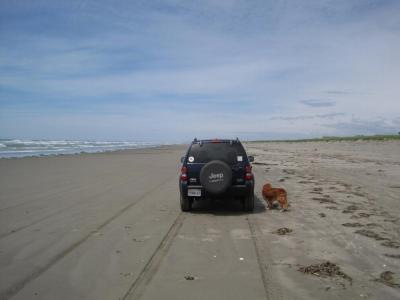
(226, 207)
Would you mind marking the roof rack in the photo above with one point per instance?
(230, 141)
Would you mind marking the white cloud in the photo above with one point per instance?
(253, 66)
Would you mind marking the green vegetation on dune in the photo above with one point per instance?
(377, 137)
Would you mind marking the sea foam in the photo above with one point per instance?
(22, 148)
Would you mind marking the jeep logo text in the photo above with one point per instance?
(216, 177)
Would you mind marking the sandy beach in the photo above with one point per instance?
(109, 226)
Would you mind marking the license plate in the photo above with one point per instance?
(194, 192)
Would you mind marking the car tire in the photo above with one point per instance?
(186, 204)
(216, 177)
(248, 203)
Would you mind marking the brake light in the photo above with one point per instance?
(215, 141)
(249, 174)
(184, 176)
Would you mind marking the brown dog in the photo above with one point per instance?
(271, 194)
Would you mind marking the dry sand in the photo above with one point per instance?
(108, 226)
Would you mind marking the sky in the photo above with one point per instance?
(167, 71)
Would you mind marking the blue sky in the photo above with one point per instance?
(172, 70)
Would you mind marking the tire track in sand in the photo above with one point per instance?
(138, 286)
(272, 290)
(84, 201)
(16, 287)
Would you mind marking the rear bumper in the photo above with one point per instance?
(233, 190)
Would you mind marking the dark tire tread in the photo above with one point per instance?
(186, 204)
(248, 203)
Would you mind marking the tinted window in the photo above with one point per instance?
(217, 151)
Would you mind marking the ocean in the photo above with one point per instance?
(24, 147)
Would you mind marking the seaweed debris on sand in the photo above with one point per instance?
(325, 269)
(283, 231)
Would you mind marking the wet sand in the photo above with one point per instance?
(108, 226)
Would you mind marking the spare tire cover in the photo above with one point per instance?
(216, 177)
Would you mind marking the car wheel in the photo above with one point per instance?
(216, 177)
(186, 204)
(249, 202)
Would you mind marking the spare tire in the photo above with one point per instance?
(216, 177)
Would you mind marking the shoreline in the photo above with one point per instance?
(161, 146)
(328, 140)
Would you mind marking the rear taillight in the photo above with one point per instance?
(249, 174)
(184, 174)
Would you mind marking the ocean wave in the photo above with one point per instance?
(20, 148)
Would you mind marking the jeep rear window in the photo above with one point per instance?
(217, 151)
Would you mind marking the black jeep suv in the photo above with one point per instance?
(215, 168)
